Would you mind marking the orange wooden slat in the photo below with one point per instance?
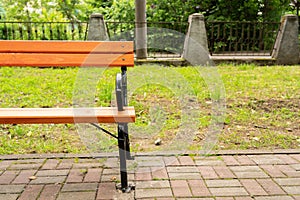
(33, 46)
(66, 115)
(65, 60)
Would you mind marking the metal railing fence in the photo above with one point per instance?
(43, 30)
(241, 38)
(165, 39)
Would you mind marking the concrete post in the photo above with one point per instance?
(97, 29)
(286, 49)
(195, 46)
(140, 29)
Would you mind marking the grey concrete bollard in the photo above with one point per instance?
(286, 48)
(97, 28)
(195, 45)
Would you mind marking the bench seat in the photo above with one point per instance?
(66, 115)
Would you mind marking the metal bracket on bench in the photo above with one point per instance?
(119, 92)
(104, 130)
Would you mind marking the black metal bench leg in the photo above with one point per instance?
(123, 137)
(124, 186)
(127, 143)
(125, 103)
(122, 156)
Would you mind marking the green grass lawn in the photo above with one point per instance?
(243, 107)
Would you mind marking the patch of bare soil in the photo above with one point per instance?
(270, 123)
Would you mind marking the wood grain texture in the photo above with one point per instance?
(66, 115)
(66, 60)
(86, 47)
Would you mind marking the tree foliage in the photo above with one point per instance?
(157, 10)
(230, 10)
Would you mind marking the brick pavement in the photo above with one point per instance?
(226, 176)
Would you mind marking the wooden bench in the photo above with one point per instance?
(75, 54)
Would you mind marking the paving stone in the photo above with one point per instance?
(93, 175)
(9, 196)
(198, 188)
(296, 197)
(224, 172)
(244, 160)
(150, 162)
(248, 172)
(292, 189)
(86, 160)
(296, 157)
(152, 184)
(171, 161)
(153, 193)
(75, 176)
(243, 198)
(79, 187)
(143, 174)
(110, 177)
(289, 171)
(233, 191)
(274, 198)
(230, 161)
(253, 187)
(296, 166)
(209, 162)
(223, 183)
(111, 163)
(192, 198)
(4, 189)
(50, 192)
(183, 169)
(49, 180)
(30, 161)
(287, 159)
(266, 159)
(245, 168)
(287, 181)
(273, 171)
(65, 164)
(62, 172)
(208, 172)
(50, 164)
(29, 166)
(107, 191)
(76, 196)
(186, 160)
(31, 192)
(185, 175)
(180, 188)
(8, 176)
(87, 165)
(275, 176)
(159, 173)
(111, 171)
(270, 186)
(23, 176)
(5, 164)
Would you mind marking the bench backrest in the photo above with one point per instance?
(66, 53)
